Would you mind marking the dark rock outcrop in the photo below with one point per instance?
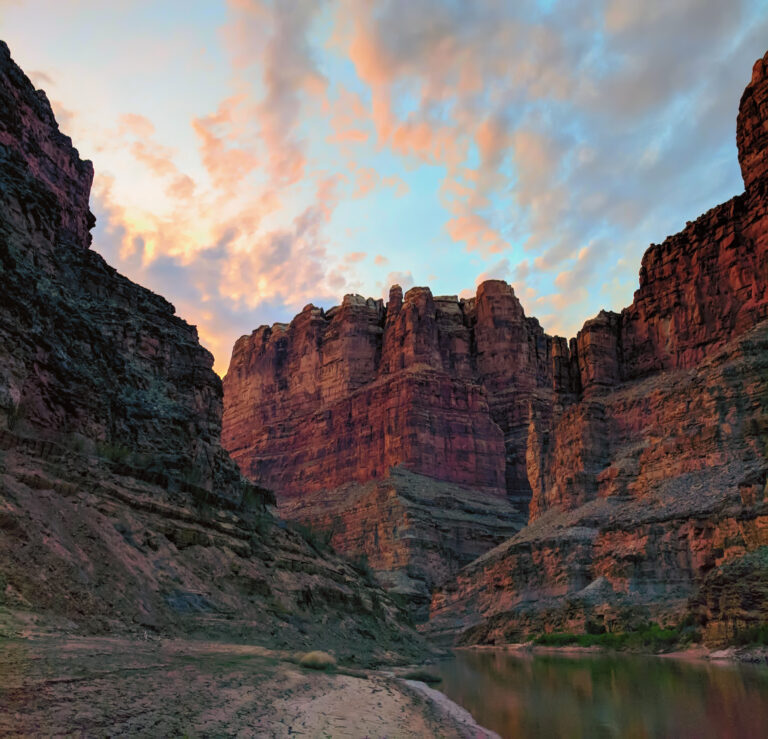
(86, 352)
(119, 508)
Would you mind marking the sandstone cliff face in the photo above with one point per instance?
(441, 386)
(632, 445)
(434, 386)
(119, 509)
(652, 487)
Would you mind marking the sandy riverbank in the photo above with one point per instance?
(113, 686)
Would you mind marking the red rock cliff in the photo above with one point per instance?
(440, 386)
(650, 491)
(434, 386)
(648, 421)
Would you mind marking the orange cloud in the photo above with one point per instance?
(226, 165)
(475, 231)
(136, 124)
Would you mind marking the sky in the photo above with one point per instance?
(253, 156)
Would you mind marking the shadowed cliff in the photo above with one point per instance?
(119, 509)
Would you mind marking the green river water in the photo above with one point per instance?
(544, 695)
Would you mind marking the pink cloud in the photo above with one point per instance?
(226, 165)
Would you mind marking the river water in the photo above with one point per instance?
(544, 695)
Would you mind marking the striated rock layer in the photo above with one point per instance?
(441, 388)
(638, 448)
(651, 490)
(413, 531)
(119, 509)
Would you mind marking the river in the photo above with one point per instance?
(546, 695)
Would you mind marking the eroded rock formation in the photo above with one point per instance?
(440, 387)
(119, 509)
(632, 445)
(650, 489)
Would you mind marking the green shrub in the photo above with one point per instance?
(650, 638)
(555, 639)
(254, 497)
(319, 539)
(361, 564)
(752, 635)
(113, 452)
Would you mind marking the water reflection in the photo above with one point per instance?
(521, 695)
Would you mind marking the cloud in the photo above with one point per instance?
(272, 37)
(368, 180)
(404, 279)
(541, 143)
(542, 119)
(40, 79)
(136, 125)
(226, 164)
(232, 283)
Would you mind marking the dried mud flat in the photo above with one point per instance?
(88, 686)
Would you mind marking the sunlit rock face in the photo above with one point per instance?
(628, 449)
(650, 489)
(438, 387)
(751, 128)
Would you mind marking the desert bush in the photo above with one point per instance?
(756, 634)
(318, 661)
(361, 564)
(113, 452)
(650, 638)
(255, 497)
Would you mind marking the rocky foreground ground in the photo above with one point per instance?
(99, 686)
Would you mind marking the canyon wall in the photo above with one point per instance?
(87, 353)
(430, 396)
(438, 385)
(119, 509)
(636, 451)
(651, 490)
